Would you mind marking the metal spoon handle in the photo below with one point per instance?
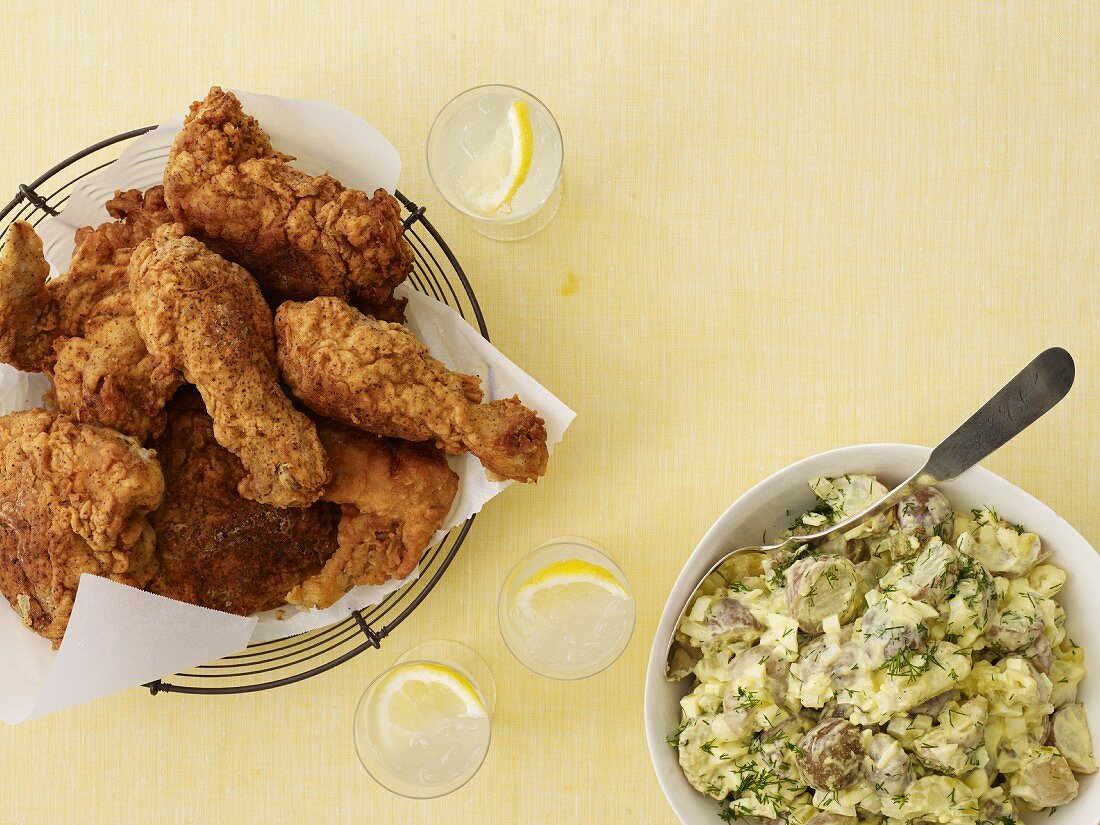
(1023, 400)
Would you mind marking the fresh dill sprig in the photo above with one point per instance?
(911, 664)
(746, 700)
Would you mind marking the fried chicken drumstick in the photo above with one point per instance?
(73, 499)
(300, 236)
(219, 550)
(79, 327)
(394, 496)
(206, 317)
(378, 377)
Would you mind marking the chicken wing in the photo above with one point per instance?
(378, 377)
(219, 550)
(300, 236)
(206, 318)
(73, 499)
(394, 497)
(79, 326)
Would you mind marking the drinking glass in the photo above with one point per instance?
(566, 611)
(465, 128)
(422, 728)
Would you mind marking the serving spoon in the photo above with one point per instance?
(1033, 392)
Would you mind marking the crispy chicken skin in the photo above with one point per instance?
(28, 315)
(73, 499)
(34, 313)
(79, 326)
(394, 496)
(219, 550)
(206, 318)
(95, 287)
(108, 377)
(378, 377)
(300, 236)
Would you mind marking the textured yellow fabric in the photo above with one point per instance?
(786, 228)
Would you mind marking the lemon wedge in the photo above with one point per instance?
(421, 697)
(427, 727)
(561, 588)
(497, 173)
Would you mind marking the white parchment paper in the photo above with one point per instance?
(119, 636)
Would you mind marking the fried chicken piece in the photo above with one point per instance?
(219, 550)
(104, 374)
(206, 318)
(300, 236)
(394, 497)
(378, 377)
(79, 327)
(34, 313)
(73, 499)
(28, 315)
(108, 377)
(96, 286)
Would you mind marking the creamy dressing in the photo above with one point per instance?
(946, 654)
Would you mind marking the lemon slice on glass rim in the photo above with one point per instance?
(422, 696)
(496, 174)
(560, 586)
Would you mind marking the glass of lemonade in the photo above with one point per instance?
(422, 729)
(495, 154)
(566, 611)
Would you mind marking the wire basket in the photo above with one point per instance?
(267, 665)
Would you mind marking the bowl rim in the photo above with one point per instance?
(670, 782)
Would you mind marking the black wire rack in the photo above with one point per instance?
(262, 666)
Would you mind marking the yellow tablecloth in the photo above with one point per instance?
(791, 226)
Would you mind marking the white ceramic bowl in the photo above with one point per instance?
(765, 507)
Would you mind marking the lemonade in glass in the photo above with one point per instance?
(566, 611)
(495, 154)
(422, 729)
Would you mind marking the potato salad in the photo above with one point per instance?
(916, 670)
